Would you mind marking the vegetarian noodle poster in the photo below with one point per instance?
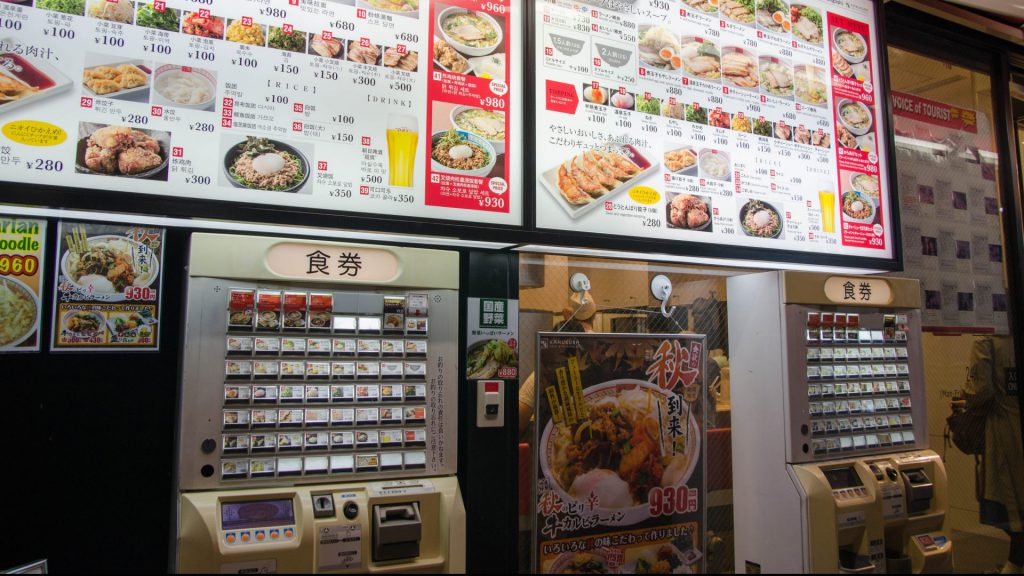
(22, 249)
(108, 287)
(393, 107)
(749, 123)
(492, 338)
(620, 453)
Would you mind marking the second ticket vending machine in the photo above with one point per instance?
(830, 461)
(318, 412)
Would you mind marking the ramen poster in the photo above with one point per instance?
(21, 273)
(619, 444)
(108, 287)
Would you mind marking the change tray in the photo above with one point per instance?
(550, 178)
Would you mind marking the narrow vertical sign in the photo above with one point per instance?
(21, 273)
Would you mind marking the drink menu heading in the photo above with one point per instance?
(753, 123)
(379, 106)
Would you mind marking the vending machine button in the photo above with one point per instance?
(288, 533)
(230, 537)
(245, 536)
(260, 535)
(274, 534)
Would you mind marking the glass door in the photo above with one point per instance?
(953, 242)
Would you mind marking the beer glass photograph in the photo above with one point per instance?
(827, 198)
(403, 136)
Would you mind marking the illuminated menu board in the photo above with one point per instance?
(379, 106)
(749, 123)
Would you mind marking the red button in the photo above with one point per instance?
(491, 387)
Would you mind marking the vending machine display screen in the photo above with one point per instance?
(840, 478)
(256, 514)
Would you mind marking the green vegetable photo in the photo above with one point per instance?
(293, 42)
(150, 17)
(485, 359)
(76, 7)
(649, 106)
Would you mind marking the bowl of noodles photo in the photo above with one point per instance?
(18, 310)
(83, 323)
(620, 450)
(103, 266)
(264, 164)
(858, 207)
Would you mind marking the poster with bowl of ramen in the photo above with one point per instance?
(21, 272)
(108, 287)
(620, 448)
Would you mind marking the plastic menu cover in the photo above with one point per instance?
(740, 123)
(22, 254)
(108, 287)
(645, 495)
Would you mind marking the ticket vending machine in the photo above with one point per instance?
(317, 428)
(831, 471)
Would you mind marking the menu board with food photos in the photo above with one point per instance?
(392, 107)
(108, 286)
(748, 123)
(22, 254)
(620, 456)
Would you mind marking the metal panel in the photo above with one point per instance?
(202, 397)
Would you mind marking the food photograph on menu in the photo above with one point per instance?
(734, 122)
(108, 287)
(388, 107)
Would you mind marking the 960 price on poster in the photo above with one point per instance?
(18, 265)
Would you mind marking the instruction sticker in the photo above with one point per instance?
(340, 548)
(250, 567)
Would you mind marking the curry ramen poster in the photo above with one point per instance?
(108, 287)
(620, 453)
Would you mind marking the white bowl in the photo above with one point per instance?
(708, 152)
(864, 198)
(640, 512)
(498, 145)
(19, 286)
(459, 46)
(867, 111)
(203, 76)
(168, 70)
(140, 281)
(849, 58)
(481, 142)
(855, 186)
